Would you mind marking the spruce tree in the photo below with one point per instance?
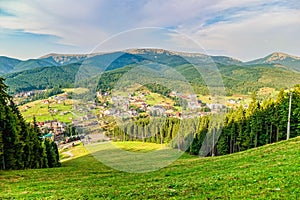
(20, 144)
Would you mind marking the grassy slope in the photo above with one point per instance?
(269, 172)
(41, 112)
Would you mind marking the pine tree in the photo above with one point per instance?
(20, 145)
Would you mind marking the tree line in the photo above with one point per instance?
(21, 144)
(43, 95)
(262, 122)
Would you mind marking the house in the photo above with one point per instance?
(192, 96)
(46, 102)
(231, 101)
(178, 114)
(157, 110)
(27, 107)
(173, 94)
(216, 106)
(193, 105)
(106, 112)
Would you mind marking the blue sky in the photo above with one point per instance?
(245, 29)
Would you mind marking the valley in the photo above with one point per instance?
(92, 104)
(150, 100)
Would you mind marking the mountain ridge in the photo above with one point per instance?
(239, 77)
(10, 65)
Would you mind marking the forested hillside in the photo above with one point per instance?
(21, 145)
(7, 64)
(236, 79)
(41, 78)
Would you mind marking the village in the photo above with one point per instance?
(133, 104)
(63, 113)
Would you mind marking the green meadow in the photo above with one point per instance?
(50, 109)
(268, 172)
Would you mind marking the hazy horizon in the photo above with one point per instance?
(107, 52)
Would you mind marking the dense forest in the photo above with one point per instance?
(21, 144)
(236, 79)
(263, 122)
(42, 78)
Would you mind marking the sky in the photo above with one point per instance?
(243, 29)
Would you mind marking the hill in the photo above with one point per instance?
(268, 172)
(236, 79)
(11, 65)
(41, 78)
(7, 64)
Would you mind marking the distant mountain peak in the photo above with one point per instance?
(163, 51)
(64, 58)
(279, 56)
(65, 55)
(146, 50)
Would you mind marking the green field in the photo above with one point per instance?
(62, 110)
(269, 172)
(155, 99)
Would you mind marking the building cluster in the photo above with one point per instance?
(27, 94)
(93, 115)
(131, 105)
(54, 126)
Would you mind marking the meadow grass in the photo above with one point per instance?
(268, 172)
(42, 111)
(134, 146)
(64, 111)
(155, 99)
(79, 90)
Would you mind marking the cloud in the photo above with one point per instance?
(72, 30)
(246, 29)
(20, 44)
(231, 27)
(259, 33)
(53, 17)
(5, 13)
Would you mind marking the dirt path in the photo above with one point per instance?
(69, 153)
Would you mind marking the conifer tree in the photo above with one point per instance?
(20, 144)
